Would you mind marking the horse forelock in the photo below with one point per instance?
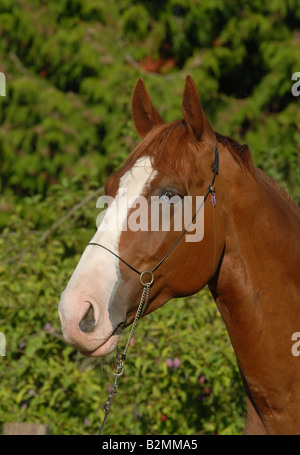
(169, 147)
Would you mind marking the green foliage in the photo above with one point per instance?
(65, 124)
(181, 383)
(44, 380)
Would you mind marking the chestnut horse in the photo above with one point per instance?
(249, 256)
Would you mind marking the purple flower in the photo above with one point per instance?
(173, 363)
(201, 379)
(49, 328)
(169, 363)
(176, 362)
(32, 392)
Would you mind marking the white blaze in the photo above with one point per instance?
(97, 274)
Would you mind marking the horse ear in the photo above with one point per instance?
(193, 112)
(144, 115)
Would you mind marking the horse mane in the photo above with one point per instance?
(279, 188)
(240, 152)
(242, 155)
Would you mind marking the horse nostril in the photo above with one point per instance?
(88, 321)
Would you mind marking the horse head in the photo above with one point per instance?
(153, 199)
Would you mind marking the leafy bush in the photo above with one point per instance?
(65, 124)
(181, 384)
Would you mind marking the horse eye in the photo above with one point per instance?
(170, 197)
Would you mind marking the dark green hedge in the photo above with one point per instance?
(65, 124)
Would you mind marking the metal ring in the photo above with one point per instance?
(147, 283)
(119, 374)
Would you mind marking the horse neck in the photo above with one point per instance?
(257, 285)
(262, 250)
(262, 243)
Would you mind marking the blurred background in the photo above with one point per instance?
(65, 124)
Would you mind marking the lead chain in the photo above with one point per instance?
(122, 356)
